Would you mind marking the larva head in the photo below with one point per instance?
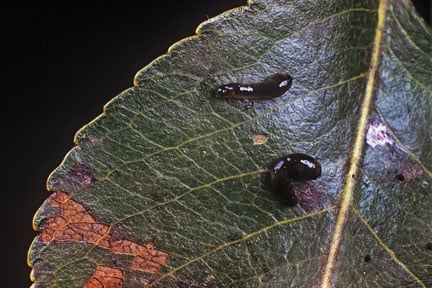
(280, 80)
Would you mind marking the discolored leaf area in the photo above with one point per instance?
(169, 186)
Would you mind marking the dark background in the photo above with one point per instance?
(61, 63)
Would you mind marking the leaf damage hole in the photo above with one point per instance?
(105, 276)
(400, 177)
(76, 224)
(378, 135)
(260, 138)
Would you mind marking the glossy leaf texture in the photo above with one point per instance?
(168, 187)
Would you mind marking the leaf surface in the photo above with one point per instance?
(167, 188)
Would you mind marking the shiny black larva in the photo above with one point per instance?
(298, 166)
(272, 87)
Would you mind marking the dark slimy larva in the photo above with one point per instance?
(272, 87)
(297, 167)
(281, 186)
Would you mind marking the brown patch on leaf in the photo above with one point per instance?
(105, 277)
(309, 197)
(81, 174)
(410, 171)
(147, 258)
(75, 224)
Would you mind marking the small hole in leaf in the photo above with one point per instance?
(259, 138)
(400, 177)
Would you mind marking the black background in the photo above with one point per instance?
(60, 64)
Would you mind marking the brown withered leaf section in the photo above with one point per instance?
(75, 224)
(105, 276)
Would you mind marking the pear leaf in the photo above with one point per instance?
(169, 187)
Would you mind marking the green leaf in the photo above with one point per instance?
(167, 189)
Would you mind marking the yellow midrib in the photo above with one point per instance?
(357, 153)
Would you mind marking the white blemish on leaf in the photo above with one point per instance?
(377, 134)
